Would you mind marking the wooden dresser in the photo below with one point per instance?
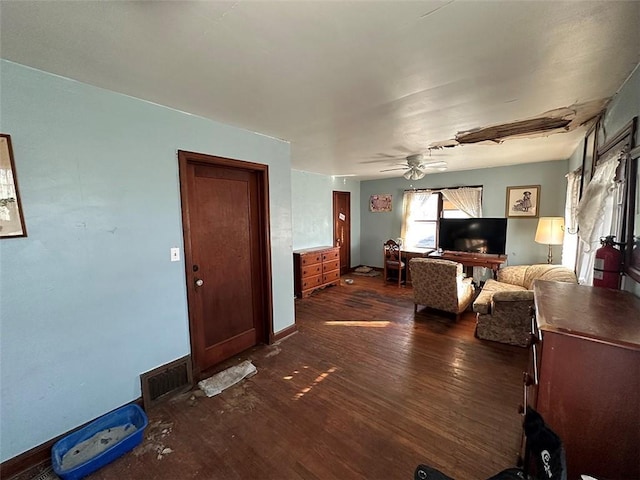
(315, 268)
(584, 376)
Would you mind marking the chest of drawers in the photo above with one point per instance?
(315, 268)
(584, 375)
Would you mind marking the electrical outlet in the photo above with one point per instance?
(175, 254)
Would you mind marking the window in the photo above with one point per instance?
(422, 224)
(449, 210)
(598, 214)
(422, 209)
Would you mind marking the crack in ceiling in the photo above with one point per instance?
(559, 120)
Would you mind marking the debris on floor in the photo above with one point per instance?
(214, 385)
(156, 433)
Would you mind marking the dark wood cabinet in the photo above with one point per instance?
(584, 376)
(315, 268)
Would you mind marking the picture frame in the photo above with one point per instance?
(523, 201)
(380, 203)
(11, 216)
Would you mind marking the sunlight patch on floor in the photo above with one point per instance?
(318, 379)
(358, 323)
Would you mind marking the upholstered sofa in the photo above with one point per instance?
(440, 284)
(503, 304)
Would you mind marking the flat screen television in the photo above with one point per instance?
(478, 235)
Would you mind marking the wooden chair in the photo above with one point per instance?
(393, 262)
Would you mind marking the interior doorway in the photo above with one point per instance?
(225, 220)
(342, 228)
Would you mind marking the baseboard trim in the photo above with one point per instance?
(40, 455)
(284, 333)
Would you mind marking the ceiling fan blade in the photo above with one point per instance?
(402, 149)
(392, 169)
(433, 164)
(381, 160)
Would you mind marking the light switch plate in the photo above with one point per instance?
(175, 254)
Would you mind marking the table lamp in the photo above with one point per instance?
(550, 231)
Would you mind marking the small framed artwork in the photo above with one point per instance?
(523, 202)
(11, 219)
(380, 203)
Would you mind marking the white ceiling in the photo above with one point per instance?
(349, 84)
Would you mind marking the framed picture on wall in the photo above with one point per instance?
(380, 203)
(11, 219)
(523, 201)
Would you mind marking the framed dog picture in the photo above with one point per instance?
(11, 219)
(523, 202)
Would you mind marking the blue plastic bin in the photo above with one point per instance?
(129, 414)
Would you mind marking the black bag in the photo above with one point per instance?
(543, 450)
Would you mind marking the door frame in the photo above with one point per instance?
(262, 172)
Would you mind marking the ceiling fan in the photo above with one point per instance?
(415, 166)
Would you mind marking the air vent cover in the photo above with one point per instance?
(165, 381)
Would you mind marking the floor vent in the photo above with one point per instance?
(46, 474)
(165, 381)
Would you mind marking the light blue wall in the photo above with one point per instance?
(622, 108)
(312, 210)
(575, 160)
(376, 228)
(89, 300)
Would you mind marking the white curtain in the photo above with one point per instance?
(467, 199)
(591, 209)
(412, 203)
(596, 213)
(570, 242)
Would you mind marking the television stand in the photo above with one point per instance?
(471, 259)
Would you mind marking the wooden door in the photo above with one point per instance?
(342, 228)
(225, 222)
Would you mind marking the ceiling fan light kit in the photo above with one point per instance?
(413, 174)
(414, 167)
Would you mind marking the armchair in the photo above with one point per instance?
(440, 284)
(502, 306)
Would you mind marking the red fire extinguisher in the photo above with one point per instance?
(607, 265)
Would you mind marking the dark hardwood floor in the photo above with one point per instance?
(365, 389)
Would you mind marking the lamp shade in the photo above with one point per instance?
(550, 230)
